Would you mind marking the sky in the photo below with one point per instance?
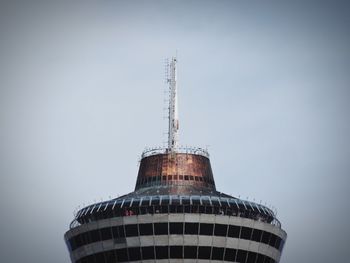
(264, 85)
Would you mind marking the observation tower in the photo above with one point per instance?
(175, 213)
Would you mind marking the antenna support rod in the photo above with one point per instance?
(173, 112)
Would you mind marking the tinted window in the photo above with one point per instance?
(273, 239)
(204, 252)
(191, 228)
(230, 254)
(106, 233)
(246, 232)
(233, 231)
(147, 252)
(160, 228)
(99, 257)
(260, 258)
(241, 256)
(217, 253)
(121, 231)
(110, 256)
(265, 237)
(162, 252)
(115, 232)
(206, 229)
(186, 201)
(131, 230)
(176, 228)
(134, 253)
(220, 230)
(94, 236)
(122, 255)
(176, 252)
(269, 260)
(251, 257)
(190, 252)
(146, 229)
(85, 236)
(257, 235)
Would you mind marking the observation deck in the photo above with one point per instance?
(180, 167)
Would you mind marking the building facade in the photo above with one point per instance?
(175, 214)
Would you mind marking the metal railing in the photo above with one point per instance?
(182, 149)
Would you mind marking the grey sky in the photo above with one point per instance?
(265, 84)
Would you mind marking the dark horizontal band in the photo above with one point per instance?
(156, 229)
(239, 210)
(176, 252)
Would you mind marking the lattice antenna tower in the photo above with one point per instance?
(173, 107)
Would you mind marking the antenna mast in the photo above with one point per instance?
(173, 113)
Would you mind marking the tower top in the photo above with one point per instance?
(173, 111)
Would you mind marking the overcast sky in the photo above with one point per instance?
(264, 85)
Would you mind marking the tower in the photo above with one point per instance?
(175, 213)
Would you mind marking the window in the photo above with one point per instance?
(122, 255)
(191, 178)
(208, 209)
(99, 257)
(251, 257)
(186, 177)
(164, 209)
(191, 228)
(217, 253)
(172, 209)
(185, 201)
(155, 201)
(246, 233)
(233, 231)
(278, 243)
(131, 230)
(94, 236)
(241, 256)
(146, 229)
(265, 237)
(204, 252)
(162, 252)
(220, 230)
(190, 252)
(260, 258)
(269, 260)
(165, 200)
(176, 252)
(176, 228)
(273, 239)
(110, 256)
(115, 232)
(121, 231)
(147, 252)
(160, 228)
(230, 254)
(257, 235)
(206, 229)
(86, 238)
(134, 253)
(179, 209)
(106, 233)
(181, 177)
(72, 244)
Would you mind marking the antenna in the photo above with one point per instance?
(173, 113)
